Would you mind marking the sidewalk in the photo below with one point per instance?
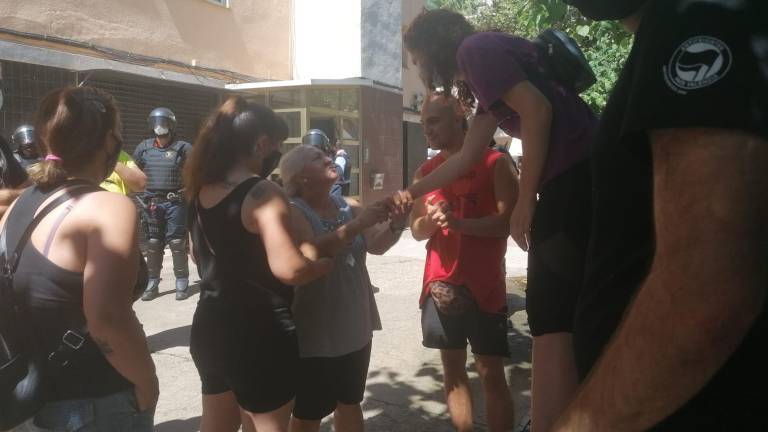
(404, 391)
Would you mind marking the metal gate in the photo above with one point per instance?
(136, 98)
(24, 85)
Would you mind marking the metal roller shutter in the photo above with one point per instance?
(24, 85)
(137, 98)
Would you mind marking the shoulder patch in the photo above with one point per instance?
(697, 63)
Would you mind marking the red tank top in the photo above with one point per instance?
(472, 261)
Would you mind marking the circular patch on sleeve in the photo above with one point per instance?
(699, 62)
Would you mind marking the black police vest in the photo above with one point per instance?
(163, 165)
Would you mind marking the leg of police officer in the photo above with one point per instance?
(155, 247)
(176, 235)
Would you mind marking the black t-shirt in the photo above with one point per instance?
(694, 63)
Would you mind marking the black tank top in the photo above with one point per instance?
(238, 271)
(54, 299)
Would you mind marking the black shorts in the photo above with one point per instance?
(249, 353)
(559, 237)
(485, 332)
(327, 381)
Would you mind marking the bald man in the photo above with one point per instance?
(463, 296)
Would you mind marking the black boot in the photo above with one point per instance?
(182, 289)
(180, 267)
(152, 291)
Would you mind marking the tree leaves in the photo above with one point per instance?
(605, 44)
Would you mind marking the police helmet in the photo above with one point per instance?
(162, 121)
(23, 138)
(318, 138)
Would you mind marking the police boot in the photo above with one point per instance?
(182, 289)
(180, 267)
(152, 291)
(154, 265)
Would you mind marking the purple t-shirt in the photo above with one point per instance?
(493, 63)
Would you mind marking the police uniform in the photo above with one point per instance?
(166, 210)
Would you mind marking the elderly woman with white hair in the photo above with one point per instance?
(335, 315)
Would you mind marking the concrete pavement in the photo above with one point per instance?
(404, 391)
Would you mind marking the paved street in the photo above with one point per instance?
(404, 391)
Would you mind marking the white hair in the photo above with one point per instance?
(292, 164)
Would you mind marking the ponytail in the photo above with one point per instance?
(227, 136)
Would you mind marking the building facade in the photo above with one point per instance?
(337, 65)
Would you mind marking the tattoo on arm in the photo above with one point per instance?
(104, 347)
(257, 192)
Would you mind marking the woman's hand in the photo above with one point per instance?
(373, 214)
(402, 199)
(147, 395)
(520, 222)
(398, 215)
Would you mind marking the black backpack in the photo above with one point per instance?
(564, 60)
(21, 374)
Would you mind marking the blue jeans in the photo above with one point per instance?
(114, 413)
(167, 220)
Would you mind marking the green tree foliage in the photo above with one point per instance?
(605, 44)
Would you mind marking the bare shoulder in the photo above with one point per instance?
(265, 191)
(106, 210)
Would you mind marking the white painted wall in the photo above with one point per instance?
(382, 41)
(327, 41)
(413, 89)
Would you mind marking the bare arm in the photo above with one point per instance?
(381, 237)
(497, 225)
(329, 244)
(422, 225)
(109, 277)
(476, 141)
(133, 177)
(266, 212)
(705, 288)
(535, 121)
(7, 196)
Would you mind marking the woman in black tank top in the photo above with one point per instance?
(243, 339)
(77, 273)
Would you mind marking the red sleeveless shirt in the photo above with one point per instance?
(473, 261)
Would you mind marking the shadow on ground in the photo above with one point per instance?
(170, 338)
(194, 288)
(190, 424)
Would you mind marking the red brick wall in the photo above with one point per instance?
(382, 140)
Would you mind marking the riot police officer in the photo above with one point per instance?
(161, 158)
(318, 138)
(24, 147)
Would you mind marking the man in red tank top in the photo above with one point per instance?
(463, 296)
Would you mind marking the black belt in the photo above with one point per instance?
(169, 196)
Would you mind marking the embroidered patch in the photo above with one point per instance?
(699, 62)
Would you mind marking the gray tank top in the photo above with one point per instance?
(337, 314)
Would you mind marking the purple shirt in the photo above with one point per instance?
(493, 63)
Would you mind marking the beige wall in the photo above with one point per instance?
(411, 82)
(252, 37)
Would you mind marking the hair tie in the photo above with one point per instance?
(54, 158)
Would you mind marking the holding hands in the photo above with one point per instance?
(440, 214)
(373, 214)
